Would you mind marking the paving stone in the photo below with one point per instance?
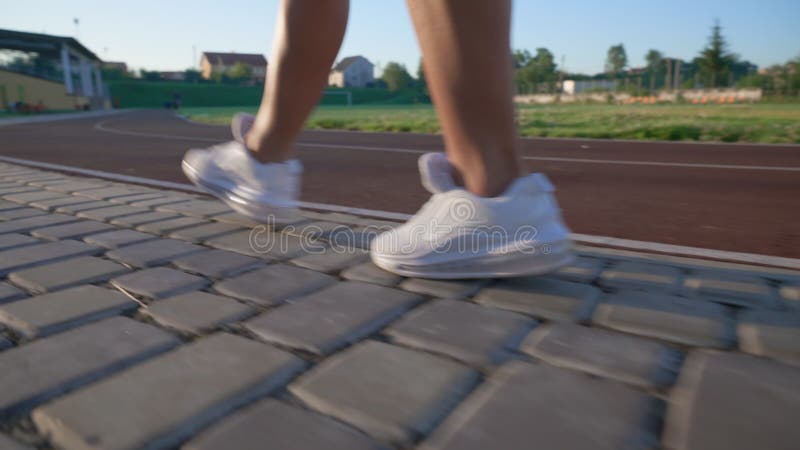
(235, 218)
(35, 372)
(370, 273)
(791, 292)
(20, 213)
(547, 298)
(74, 186)
(217, 263)
(9, 293)
(450, 289)
(727, 401)
(169, 397)
(23, 225)
(134, 220)
(288, 427)
(6, 205)
(470, 333)
(332, 317)
(67, 273)
(393, 393)
(14, 240)
(17, 189)
(6, 443)
(274, 284)
(109, 192)
(630, 273)
(525, 405)
(75, 230)
(774, 334)
(204, 231)
(24, 257)
(267, 244)
(583, 270)
(320, 229)
(641, 362)
(169, 199)
(118, 238)
(51, 182)
(152, 253)
(159, 282)
(733, 289)
(28, 197)
(357, 238)
(330, 260)
(85, 206)
(128, 199)
(112, 212)
(55, 203)
(197, 312)
(170, 225)
(196, 208)
(671, 318)
(58, 311)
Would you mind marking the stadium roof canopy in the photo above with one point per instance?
(44, 44)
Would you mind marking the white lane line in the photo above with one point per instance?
(101, 126)
(750, 258)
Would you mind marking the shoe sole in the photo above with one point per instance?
(508, 265)
(243, 206)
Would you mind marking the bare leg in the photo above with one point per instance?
(466, 54)
(307, 37)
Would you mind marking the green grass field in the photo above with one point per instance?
(760, 123)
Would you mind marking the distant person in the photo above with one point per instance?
(486, 217)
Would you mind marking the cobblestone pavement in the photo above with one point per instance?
(142, 318)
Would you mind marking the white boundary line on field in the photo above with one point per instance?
(101, 126)
(656, 247)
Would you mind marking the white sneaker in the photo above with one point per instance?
(460, 235)
(262, 192)
(240, 125)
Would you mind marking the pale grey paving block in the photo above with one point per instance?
(774, 334)
(451, 289)
(321, 229)
(55, 203)
(52, 181)
(7, 205)
(733, 289)
(474, 334)
(74, 186)
(112, 212)
(135, 220)
(791, 292)
(28, 197)
(20, 213)
(729, 401)
(169, 199)
(75, 230)
(196, 208)
(197, 312)
(630, 273)
(582, 270)
(58, 311)
(641, 362)
(153, 253)
(524, 406)
(118, 238)
(110, 192)
(14, 240)
(264, 244)
(288, 427)
(357, 238)
(237, 219)
(671, 318)
(32, 255)
(17, 189)
(6, 443)
(394, 394)
(331, 260)
(37, 371)
(75, 208)
(168, 398)
(332, 317)
(547, 298)
(128, 199)
(218, 263)
(204, 231)
(171, 225)
(274, 284)
(370, 273)
(67, 273)
(9, 293)
(159, 282)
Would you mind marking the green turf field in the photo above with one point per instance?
(761, 123)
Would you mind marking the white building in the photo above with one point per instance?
(353, 71)
(573, 87)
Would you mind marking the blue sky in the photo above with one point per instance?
(160, 34)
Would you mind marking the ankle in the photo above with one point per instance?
(266, 149)
(488, 182)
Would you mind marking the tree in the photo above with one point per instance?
(654, 60)
(241, 72)
(536, 71)
(715, 61)
(150, 75)
(521, 58)
(616, 60)
(421, 81)
(396, 76)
